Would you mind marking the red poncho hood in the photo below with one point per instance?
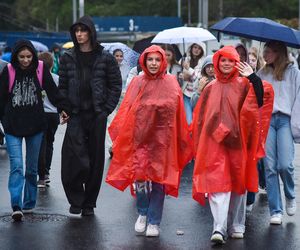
(163, 66)
(228, 52)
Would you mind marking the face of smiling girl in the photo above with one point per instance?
(226, 65)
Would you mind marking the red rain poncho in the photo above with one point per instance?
(229, 131)
(150, 133)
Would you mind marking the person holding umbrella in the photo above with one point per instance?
(191, 67)
(228, 134)
(284, 129)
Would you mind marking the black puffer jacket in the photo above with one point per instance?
(105, 83)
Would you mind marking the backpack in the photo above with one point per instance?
(12, 75)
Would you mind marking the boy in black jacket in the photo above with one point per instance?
(90, 81)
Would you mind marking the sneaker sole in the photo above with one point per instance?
(140, 233)
(237, 237)
(275, 222)
(28, 211)
(17, 216)
(152, 235)
(217, 240)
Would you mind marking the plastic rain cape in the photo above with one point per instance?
(150, 133)
(229, 132)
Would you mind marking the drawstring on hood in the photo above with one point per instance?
(228, 52)
(163, 67)
(20, 45)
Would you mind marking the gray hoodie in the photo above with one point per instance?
(287, 96)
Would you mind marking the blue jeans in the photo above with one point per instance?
(16, 175)
(188, 109)
(279, 161)
(150, 202)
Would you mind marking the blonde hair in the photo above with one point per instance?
(282, 61)
(260, 61)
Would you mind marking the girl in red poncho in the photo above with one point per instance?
(151, 142)
(226, 134)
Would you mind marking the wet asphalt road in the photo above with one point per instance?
(112, 227)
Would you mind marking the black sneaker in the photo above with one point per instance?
(47, 179)
(74, 210)
(87, 211)
(17, 214)
(217, 238)
(41, 184)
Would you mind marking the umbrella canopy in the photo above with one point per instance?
(140, 45)
(260, 29)
(130, 56)
(183, 35)
(40, 47)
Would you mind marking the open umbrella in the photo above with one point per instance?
(260, 29)
(40, 47)
(130, 56)
(140, 45)
(183, 35)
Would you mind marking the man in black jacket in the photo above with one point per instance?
(90, 81)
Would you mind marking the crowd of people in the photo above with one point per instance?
(234, 114)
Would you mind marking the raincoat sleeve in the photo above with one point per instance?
(120, 118)
(184, 139)
(255, 123)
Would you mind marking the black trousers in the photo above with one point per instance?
(46, 151)
(83, 155)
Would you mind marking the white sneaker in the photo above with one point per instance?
(276, 219)
(27, 211)
(249, 208)
(262, 190)
(290, 206)
(217, 238)
(237, 235)
(140, 224)
(152, 230)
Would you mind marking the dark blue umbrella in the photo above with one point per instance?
(260, 29)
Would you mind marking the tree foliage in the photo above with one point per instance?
(30, 14)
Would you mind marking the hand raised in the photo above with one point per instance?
(244, 69)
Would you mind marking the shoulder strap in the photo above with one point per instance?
(39, 72)
(11, 76)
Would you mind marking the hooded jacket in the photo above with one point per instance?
(21, 110)
(287, 96)
(188, 86)
(229, 131)
(105, 81)
(150, 133)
